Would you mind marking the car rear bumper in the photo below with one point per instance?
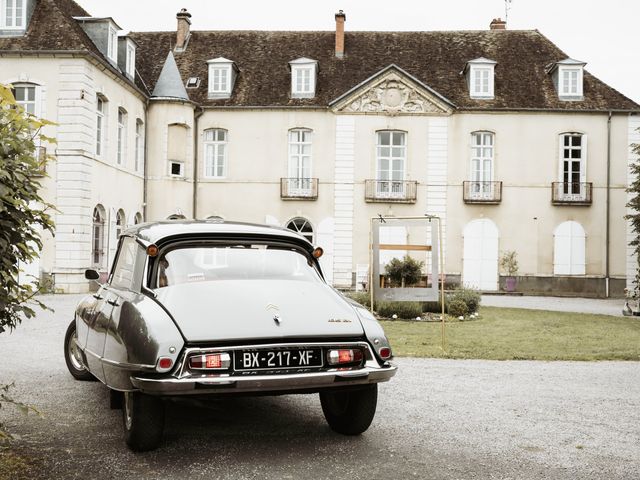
(280, 383)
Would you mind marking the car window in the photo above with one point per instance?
(124, 269)
(233, 262)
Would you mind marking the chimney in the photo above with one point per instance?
(340, 19)
(498, 24)
(184, 24)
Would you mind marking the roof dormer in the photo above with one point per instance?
(568, 77)
(222, 77)
(127, 56)
(480, 77)
(103, 32)
(15, 16)
(304, 72)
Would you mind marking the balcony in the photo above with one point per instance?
(487, 193)
(571, 193)
(299, 188)
(391, 191)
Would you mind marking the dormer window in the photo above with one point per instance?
(567, 78)
(303, 78)
(480, 78)
(131, 60)
(112, 44)
(127, 56)
(222, 77)
(13, 14)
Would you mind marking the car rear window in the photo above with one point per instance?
(233, 262)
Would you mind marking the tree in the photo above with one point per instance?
(23, 214)
(634, 205)
(405, 272)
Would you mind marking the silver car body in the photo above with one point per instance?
(123, 333)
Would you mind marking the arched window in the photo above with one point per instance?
(215, 153)
(569, 241)
(119, 223)
(137, 219)
(27, 95)
(97, 240)
(301, 226)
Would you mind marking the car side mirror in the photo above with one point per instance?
(90, 274)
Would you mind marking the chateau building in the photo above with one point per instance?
(510, 141)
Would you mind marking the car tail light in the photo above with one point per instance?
(164, 364)
(210, 361)
(344, 356)
(385, 353)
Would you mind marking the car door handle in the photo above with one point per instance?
(113, 301)
(97, 296)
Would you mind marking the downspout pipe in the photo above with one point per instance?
(196, 115)
(607, 280)
(145, 175)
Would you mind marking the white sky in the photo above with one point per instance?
(603, 34)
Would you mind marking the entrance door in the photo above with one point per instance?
(480, 256)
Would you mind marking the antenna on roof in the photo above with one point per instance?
(507, 7)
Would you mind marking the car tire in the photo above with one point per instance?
(350, 412)
(143, 418)
(116, 399)
(72, 355)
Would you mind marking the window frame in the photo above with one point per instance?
(121, 150)
(572, 193)
(112, 43)
(140, 139)
(569, 92)
(36, 102)
(131, 59)
(388, 188)
(298, 181)
(101, 125)
(482, 185)
(4, 19)
(476, 87)
(298, 87)
(214, 146)
(300, 229)
(98, 224)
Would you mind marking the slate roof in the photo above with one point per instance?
(169, 84)
(434, 58)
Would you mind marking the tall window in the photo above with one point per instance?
(481, 162)
(25, 95)
(119, 223)
(112, 44)
(131, 60)
(301, 226)
(300, 160)
(13, 14)
(139, 158)
(573, 156)
(215, 153)
(97, 241)
(122, 136)
(100, 134)
(391, 153)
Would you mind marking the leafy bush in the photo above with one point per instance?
(407, 310)
(509, 263)
(432, 307)
(363, 298)
(469, 296)
(404, 272)
(457, 308)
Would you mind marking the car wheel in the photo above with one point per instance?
(350, 412)
(116, 399)
(72, 355)
(143, 417)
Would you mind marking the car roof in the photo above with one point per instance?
(158, 232)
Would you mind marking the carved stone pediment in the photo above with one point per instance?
(392, 93)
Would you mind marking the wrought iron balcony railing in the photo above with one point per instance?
(571, 193)
(482, 192)
(396, 191)
(299, 188)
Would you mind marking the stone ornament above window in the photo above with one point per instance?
(392, 94)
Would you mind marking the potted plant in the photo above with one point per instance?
(509, 265)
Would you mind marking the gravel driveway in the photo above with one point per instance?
(436, 419)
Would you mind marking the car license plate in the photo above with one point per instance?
(277, 358)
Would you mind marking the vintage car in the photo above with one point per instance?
(217, 308)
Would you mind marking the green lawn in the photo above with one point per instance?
(517, 334)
